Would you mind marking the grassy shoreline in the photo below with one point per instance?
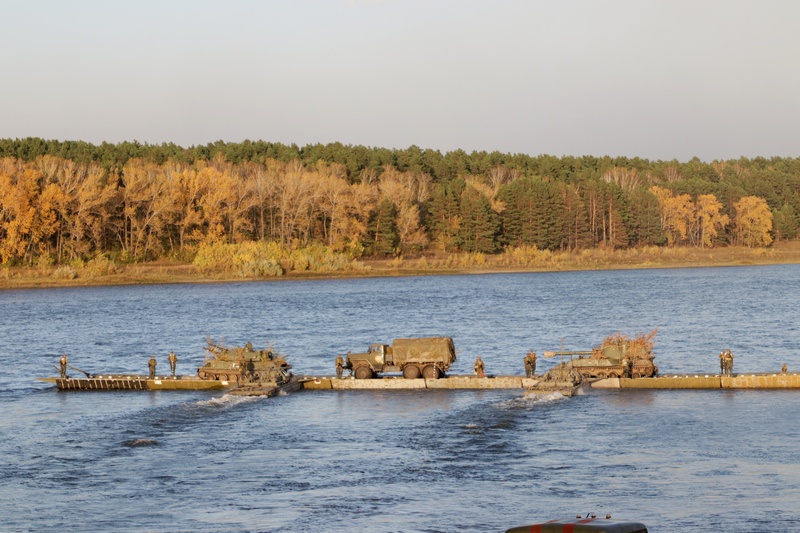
(164, 272)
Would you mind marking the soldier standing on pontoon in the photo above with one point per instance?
(478, 368)
(339, 366)
(173, 362)
(729, 362)
(151, 365)
(530, 364)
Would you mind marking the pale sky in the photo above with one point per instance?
(664, 80)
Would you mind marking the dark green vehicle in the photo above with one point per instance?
(618, 356)
(427, 357)
(243, 364)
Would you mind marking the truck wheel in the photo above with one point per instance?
(430, 372)
(363, 372)
(411, 372)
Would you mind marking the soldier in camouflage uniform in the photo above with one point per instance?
(173, 362)
(530, 364)
(729, 362)
(151, 365)
(478, 368)
(339, 366)
(242, 367)
(627, 368)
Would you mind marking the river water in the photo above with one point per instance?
(402, 460)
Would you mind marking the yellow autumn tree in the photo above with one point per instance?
(296, 199)
(29, 208)
(46, 222)
(752, 221)
(709, 218)
(187, 188)
(239, 201)
(334, 195)
(406, 190)
(147, 208)
(82, 198)
(262, 182)
(16, 211)
(677, 214)
(61, 178)
(218, 190)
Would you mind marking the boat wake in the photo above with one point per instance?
(525, 402)
(227, 400)
(546, 398)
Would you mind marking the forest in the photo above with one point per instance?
(63, 202)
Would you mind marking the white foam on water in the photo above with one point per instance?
(547, 398)
(226, 400)
(532, 399)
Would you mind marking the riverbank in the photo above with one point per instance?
(160, 272)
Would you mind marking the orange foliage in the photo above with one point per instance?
(753, 221)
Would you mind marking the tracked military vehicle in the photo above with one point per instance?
(243, 364)
(617, 356)
(427, 357)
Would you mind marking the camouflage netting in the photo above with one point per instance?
(640, 346)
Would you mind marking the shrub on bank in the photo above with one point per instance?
(44, 261)
(528, 257)
(65, 272)
(269, 259)
(99, 266)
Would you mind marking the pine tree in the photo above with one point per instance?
(785, 222)
(381, 238)
(576, 223)
(645, 218)
(534, 214)
(479, 224)
(442, 214)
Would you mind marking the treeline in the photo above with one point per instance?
(66, 201)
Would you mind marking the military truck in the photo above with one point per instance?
(243, 364)
(428, 357)
(617, 356)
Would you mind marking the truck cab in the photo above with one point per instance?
(378, 355)
(378, 351)
(365, 365)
